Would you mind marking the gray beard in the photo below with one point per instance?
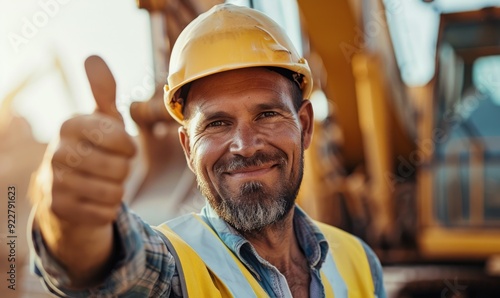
(255, 207)
(254, 212)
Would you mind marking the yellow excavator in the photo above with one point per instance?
(426, 152)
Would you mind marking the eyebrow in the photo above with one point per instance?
(207, 117)
(211, 116)
(276, 104)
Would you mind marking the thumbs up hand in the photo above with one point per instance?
(92, 158)
(83, 182)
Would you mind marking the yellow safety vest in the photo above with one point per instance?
(208, 268)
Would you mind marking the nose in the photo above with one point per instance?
(246, 140)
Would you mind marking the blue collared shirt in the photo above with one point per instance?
(147, 269)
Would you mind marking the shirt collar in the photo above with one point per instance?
(310, 238)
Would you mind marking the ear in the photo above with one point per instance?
(306, 118)
(184, 139)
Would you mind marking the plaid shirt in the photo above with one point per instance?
(147, 269)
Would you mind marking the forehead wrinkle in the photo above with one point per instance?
(258, 77)
(198, 112)
(273, 104)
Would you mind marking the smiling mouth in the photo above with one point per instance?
(255, 166)
(251, 172)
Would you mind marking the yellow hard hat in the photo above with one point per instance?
(229, 37)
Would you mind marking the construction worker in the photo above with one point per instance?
(239, 90)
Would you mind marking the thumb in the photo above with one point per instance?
(103, 86)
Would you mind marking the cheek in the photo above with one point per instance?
(204, 154)
(290, 141)
(287, 138)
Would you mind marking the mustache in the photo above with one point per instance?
(239, 162)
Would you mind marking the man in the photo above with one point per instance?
(239, 89)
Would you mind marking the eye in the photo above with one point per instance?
(215, 124)
(268, 114)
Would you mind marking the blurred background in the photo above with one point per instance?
(406, 152)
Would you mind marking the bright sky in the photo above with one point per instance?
(413, 25)
(34, 32)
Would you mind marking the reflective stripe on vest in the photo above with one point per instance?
(216, 256)
(208, 268)
(350, 257)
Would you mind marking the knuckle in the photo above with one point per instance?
(118, 192)
(122, 168)
(103, 163)
(128, 147)
(69, 126)
(110, 191)
(113, 167)
(132, 147)
(57, 186)
(58, 206)
(66, 127)
(58, 156)
(113, 214)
